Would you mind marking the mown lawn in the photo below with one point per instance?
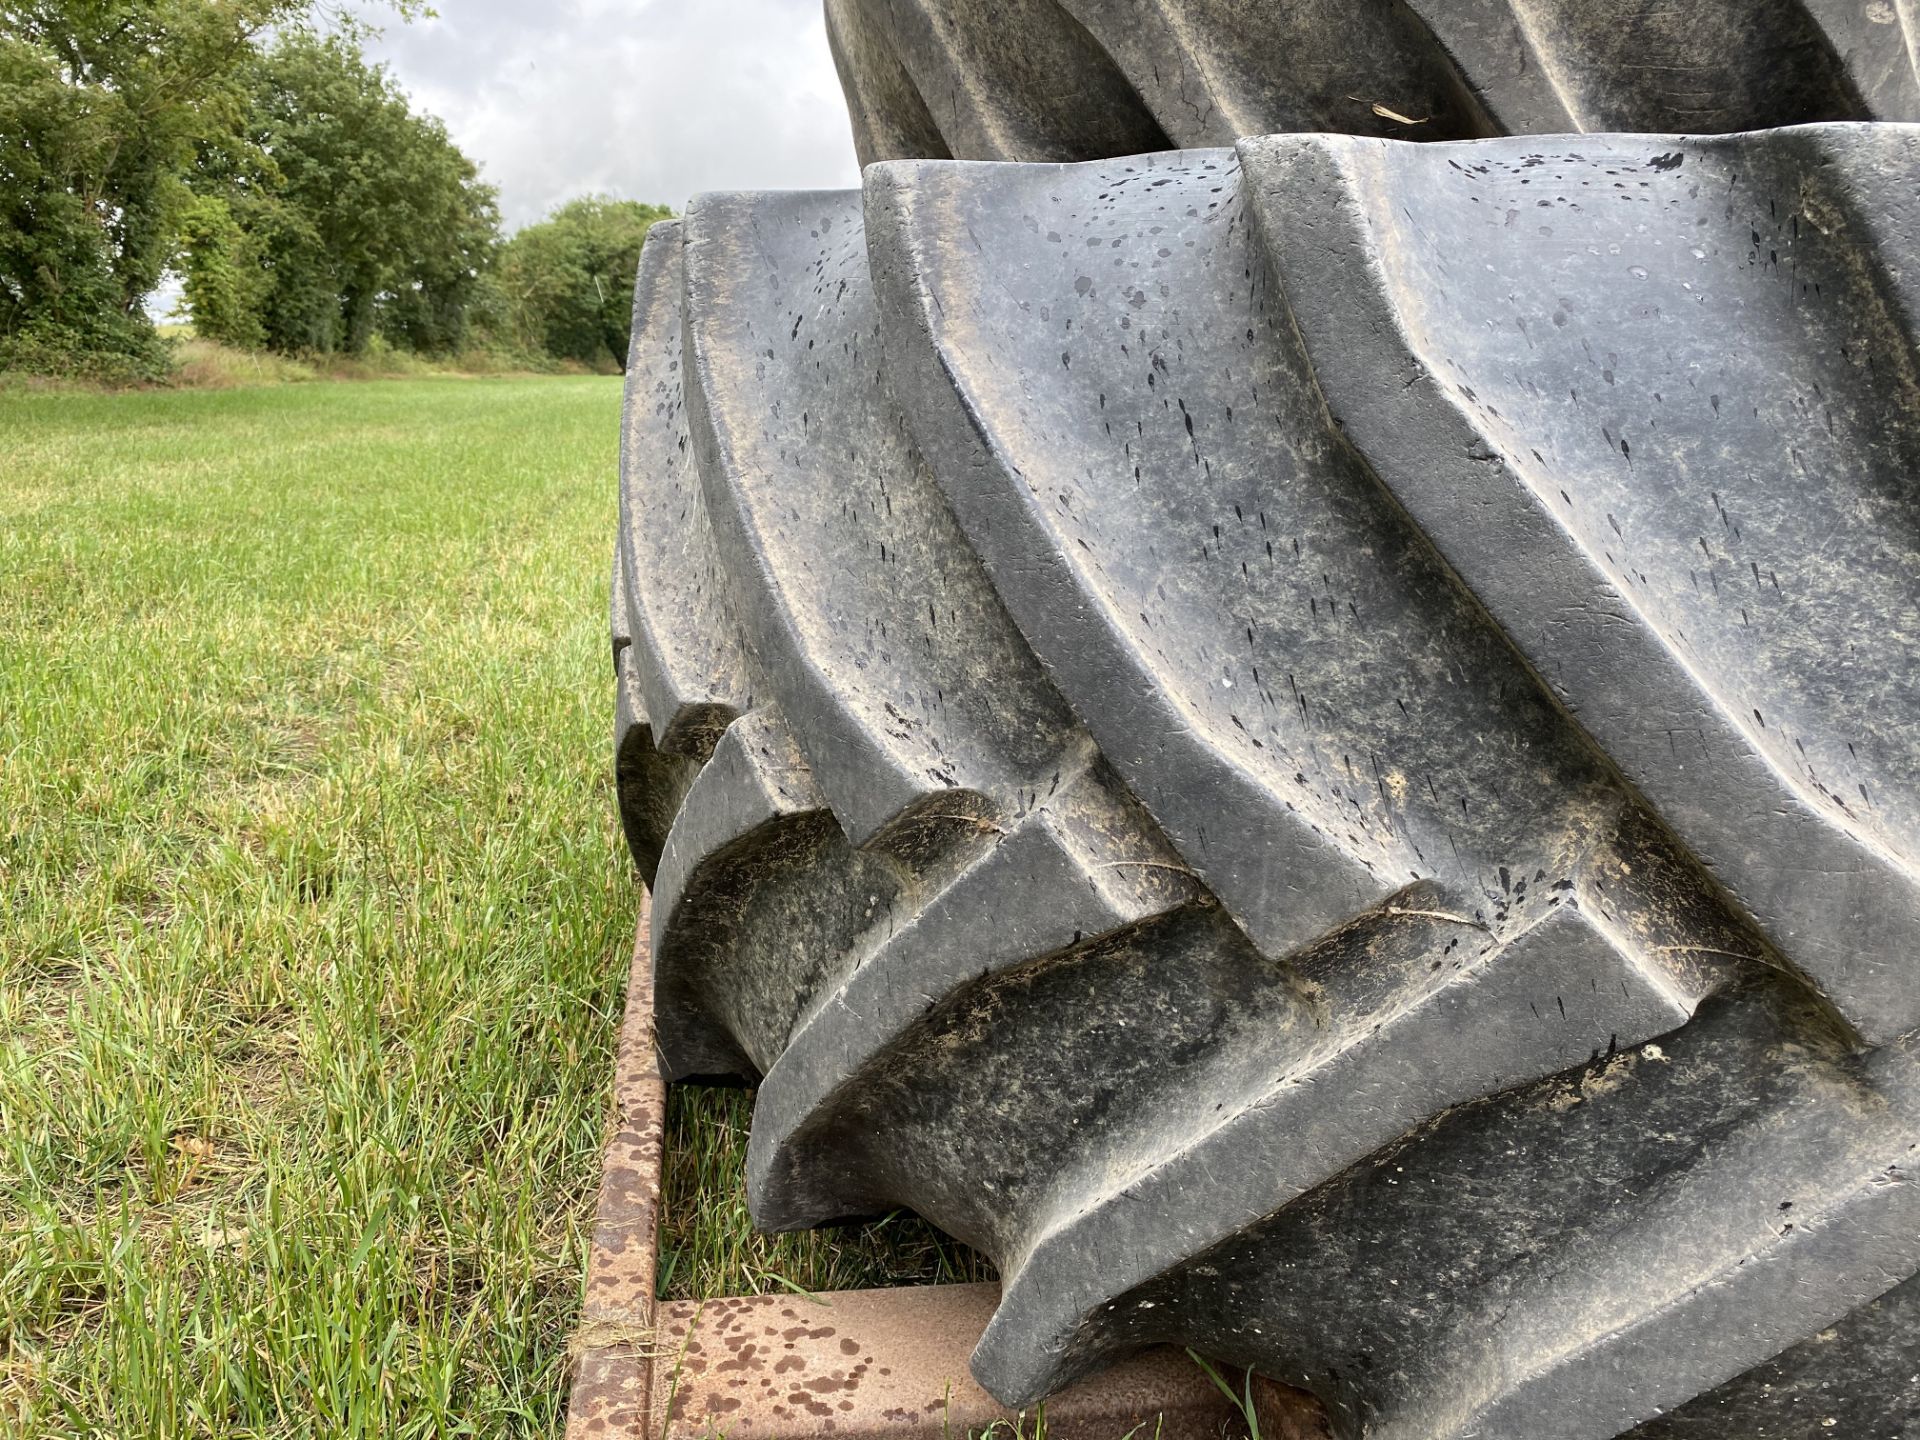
(313, 918)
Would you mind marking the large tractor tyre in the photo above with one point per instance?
(1086, 79)
(1316, 747)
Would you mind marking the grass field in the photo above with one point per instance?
(313, 920)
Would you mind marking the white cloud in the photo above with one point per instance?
(650, 100)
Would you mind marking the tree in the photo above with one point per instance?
(102, 106)
(360, 216)
(226, 283)
(567, 282)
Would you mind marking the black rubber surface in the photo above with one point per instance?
(1317, 748)
(1085, 79)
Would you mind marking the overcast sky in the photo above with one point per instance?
(651, 100)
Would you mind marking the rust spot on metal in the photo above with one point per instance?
(612, 1345)
(830, 1384)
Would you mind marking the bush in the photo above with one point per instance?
(108, 349)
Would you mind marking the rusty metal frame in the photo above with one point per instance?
(851, 1364)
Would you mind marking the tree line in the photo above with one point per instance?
(250, 148)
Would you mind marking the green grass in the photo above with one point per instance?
(708, 1246)
(199, 363)
(313, 919)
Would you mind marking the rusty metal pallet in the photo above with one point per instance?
(853, 1364)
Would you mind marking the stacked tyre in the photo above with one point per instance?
(1315, 744)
